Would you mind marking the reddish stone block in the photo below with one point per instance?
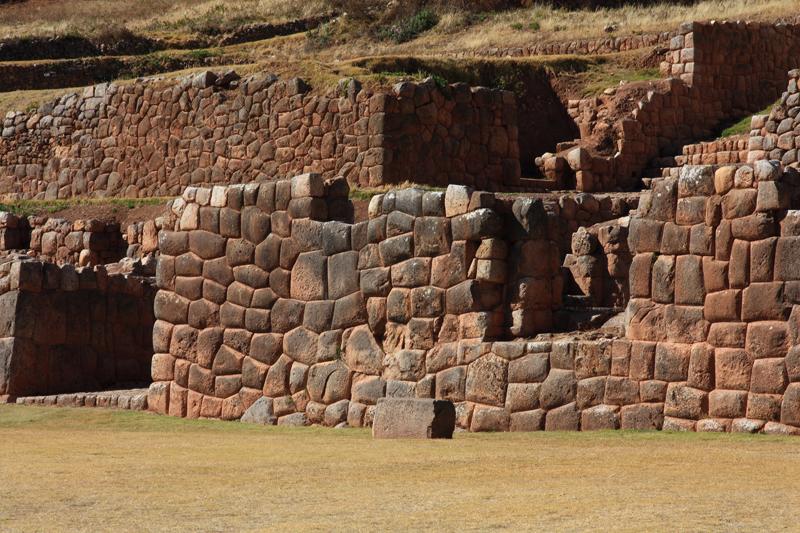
(764, 407)
(689, 288)
(640, 275)
(590, 391)
(762, 254)
(177, 400)
(767, 339)
(792, 362)
(620, 358)
(592, 358)
(790, 407)
(653, 391)
(158, 397)
(787, 257)
(763, 301)
(621, 391)
(739, 265)
(732, 369)
(490, 419)
(727, 403)
(768, 376)
(723, 306)
(528, 420)
(663, 279)
(600, 417)
(715, 274)
(685, 324)
(642, 360)
(564, 418)
(678, 424)
(674, 239)
(727, 335)
(701, 367)
(713, 425)
(642, 416)
(672, 361)
(685, 402)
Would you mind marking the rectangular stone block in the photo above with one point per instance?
(413, 418)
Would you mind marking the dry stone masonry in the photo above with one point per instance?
(155, 138)
(271, 305)
(713, 310)
(67, 329)
(717, 73)
(262, 296)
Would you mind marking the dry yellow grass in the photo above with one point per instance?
(543, 23)
(49, 17)
(93, 470)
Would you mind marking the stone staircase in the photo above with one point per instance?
(133, 399)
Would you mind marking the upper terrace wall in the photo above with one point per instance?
(156, 138)
(66, 329)
(776, 136)
(721, 71)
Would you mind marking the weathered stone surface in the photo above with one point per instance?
(260, 413)
(413, 418)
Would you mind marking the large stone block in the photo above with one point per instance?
(685, 402)
(560, 388)
(642, 416)
(767, 339)
(309, 278)
(414, 418)
(600, 417)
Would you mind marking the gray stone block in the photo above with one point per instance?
(414, 418)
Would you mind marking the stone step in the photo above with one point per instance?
(133, 399)
(538, 183)
(582, 318)
(577, 300)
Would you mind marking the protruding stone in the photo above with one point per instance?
(414, 418)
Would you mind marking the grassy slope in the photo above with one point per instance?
(159, 18)
(67, 469)
(289, 56)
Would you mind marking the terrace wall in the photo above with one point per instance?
(261, 295)
(713, 315)
(719, 72)
(155, 138)
(66, 329)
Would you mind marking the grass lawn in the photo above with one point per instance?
(92, 470)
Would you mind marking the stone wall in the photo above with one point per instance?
(262, 296)
(79, 242)
(725, 151)
(714, 299)
(15, 232)
(600, 262)
(777, 136)
(599, 45)
(65, 329)
(719, 72)
(155, 138)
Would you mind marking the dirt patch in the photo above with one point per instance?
(111, 213)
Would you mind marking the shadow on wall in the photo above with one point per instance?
(542, 119)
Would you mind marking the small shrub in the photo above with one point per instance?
(320, 37)
(203, 53)
(517, 26)
(409, 28)
(534, 26)
(438, 79)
